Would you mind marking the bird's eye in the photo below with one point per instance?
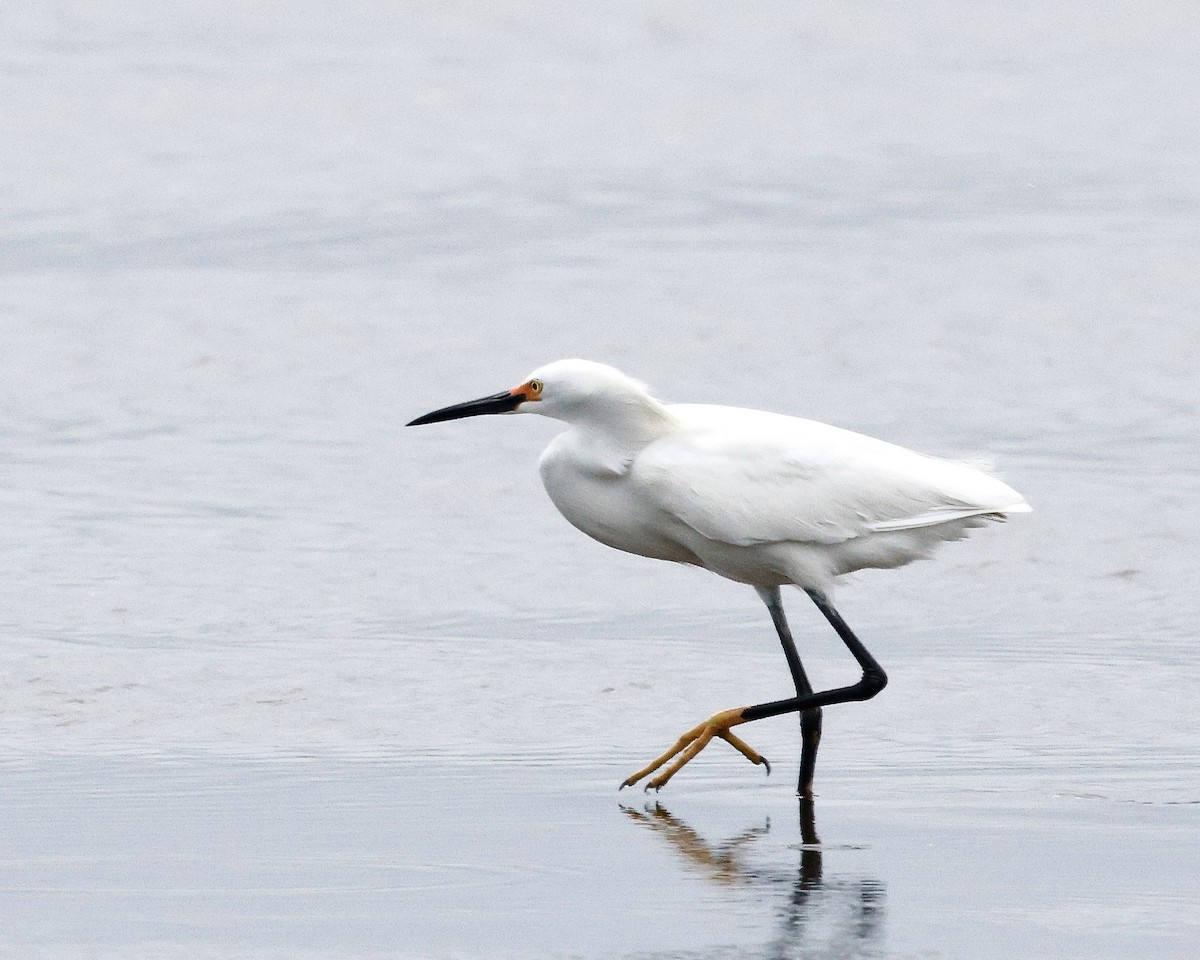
(535, 387)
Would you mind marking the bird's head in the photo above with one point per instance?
(564, 389)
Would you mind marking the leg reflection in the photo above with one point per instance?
(810, 844)
(720, 861)
(819, 915)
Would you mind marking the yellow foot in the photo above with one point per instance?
(695, 740)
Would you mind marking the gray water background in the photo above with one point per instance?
(279, 677)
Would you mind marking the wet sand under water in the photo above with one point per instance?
(203, 857)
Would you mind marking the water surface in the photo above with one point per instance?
(280, 677)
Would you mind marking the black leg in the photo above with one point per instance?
(720, 724)
(810, 851)
(810, 720)
(873, 678)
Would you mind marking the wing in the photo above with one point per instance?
(744, 477)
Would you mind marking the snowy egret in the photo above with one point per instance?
(760, 498)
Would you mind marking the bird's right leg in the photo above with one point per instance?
(695, 740)
(718, 725)
(810, 720)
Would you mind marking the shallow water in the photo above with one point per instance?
(210, 857)
(278, 677)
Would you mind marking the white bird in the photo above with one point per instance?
(760, 498)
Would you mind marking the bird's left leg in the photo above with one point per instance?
(810, 720)
(691, 743)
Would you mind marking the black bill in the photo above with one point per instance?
(499, 403)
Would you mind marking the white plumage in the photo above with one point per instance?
(757, 497)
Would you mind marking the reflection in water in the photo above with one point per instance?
(819, 916)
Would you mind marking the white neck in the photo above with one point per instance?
(615, 429)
